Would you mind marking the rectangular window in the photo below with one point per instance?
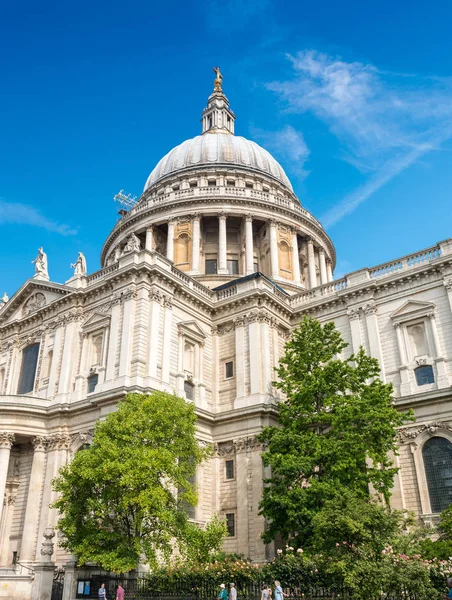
(230, 182)
(233, 267)
(92, 382)
(211, 266)
(229, 369)
(28, 369)
(193, 184)
(229, 469)
(212, 182)
(424, 375)
(189, 390)
(249, 185)
(255, 267)
(230, 524)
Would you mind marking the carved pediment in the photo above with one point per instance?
(96, 321)
(412, 309)
(192, 329)
(31, 298)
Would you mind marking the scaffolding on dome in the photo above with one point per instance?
(125, 201)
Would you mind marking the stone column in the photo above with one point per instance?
(150, 238)
(373, 333)
(355, 328)
(222, 245)
(170, 240)
(154, 331)
(6, 558)
(166, 356)
(443, 377)
(254, 353)
(30, 529)
(6, 442)
(240, 357)
(295, 258)
(113, 341)
(195, 247)
(65, 382)
(311, 264)
(249, 253)
(274, 262)
(127, 341)
(322, 262)
(405, 384)
(242, 511)
(329, 270)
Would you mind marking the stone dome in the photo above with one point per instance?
(221, 150)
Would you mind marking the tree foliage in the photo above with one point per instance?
(336, 430)
(123, 499)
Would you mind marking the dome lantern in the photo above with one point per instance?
(217, 117)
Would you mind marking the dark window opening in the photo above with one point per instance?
(424, 375)
(229, 469)
(28, 369)
(92, 382)
(230, 182)
(255, 267)
(189, 390)
(210, 122)
(249, 185)
(437, 454)
(193, 184)
(230, 524)
(233, 267)
(212, 182)
(211, 266)
(229, 369)
(176, 187)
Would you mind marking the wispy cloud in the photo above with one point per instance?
(384, 121)
(288, 145)
(21, 214)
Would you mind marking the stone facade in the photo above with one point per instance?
(226, 264)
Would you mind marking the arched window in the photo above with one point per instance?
(284, 259)
(437, 454)
(182, 249)
(28, 369)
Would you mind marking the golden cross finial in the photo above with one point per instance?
(218, 80)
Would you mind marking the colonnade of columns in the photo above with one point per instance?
(324, 262)
(49, 454)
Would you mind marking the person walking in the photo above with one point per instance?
(266, 593)
(102, 592)
(232, 592)
(223, 595)
(279, 594)
(120, 593)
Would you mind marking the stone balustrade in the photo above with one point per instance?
(407, 262)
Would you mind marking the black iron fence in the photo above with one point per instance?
(139, 588)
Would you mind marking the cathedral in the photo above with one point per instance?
(202, 280)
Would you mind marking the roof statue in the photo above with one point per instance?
(79, 266)
(41, 266)
(4, 299)
(218, 80)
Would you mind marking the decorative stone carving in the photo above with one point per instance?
(132, 244)
(239, 321)
(421, 361)
(35, 302)
(410, 433)
(353, 313)
(224, 448)
(59, 441)
(242, 444)
(41, 266)
(40, 443)
(6, 439)
(4, 299)
(370, 309)
(448, 284)
(47, 546)
(79, 266)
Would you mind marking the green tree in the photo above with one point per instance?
(337, 426)
(118, 499)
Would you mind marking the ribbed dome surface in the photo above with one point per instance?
(218, 149)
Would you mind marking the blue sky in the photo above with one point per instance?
(353, 98)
